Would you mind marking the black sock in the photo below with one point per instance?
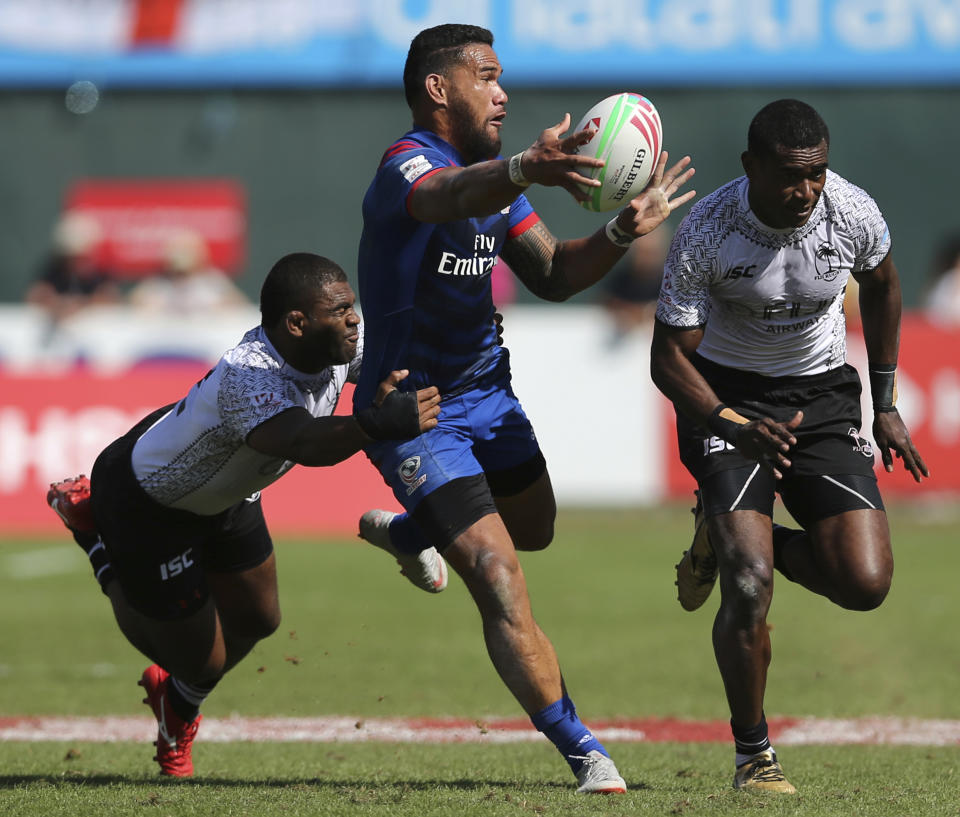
(752, 740)
(781, 536)
(93, 546)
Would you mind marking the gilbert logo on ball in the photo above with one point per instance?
(628, 138)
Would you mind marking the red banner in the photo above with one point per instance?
(138, 218)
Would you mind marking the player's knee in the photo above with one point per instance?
(748, 589)
(866, 590)
(496, 582)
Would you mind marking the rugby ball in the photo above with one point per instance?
(628, 138)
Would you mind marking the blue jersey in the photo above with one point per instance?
(425, 288)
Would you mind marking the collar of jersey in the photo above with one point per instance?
(431, 139)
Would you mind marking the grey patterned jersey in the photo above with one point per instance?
(770, 301)
(196, 458)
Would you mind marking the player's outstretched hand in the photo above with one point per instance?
(892, 437)
(551, 160)
(768, 442)
(648, 210)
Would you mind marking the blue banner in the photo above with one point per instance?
(342, 43)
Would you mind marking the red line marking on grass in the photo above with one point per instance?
(342, 729)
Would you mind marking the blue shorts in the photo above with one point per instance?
(480, 431)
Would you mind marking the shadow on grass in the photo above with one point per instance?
(105, 780)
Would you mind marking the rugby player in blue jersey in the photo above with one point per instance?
(439, 211)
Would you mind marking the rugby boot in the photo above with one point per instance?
(426, 569)
(763, 773)
(697, 571)
(70, 500)
(599, 775)
(174, 736)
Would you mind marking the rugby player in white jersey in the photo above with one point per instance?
(749, 344)
(171, 516)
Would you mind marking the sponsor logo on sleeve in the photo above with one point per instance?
(414, 168)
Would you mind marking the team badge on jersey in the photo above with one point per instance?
(828, 261)
(409, 471)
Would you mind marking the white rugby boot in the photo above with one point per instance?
(426, 569)
(599, 775)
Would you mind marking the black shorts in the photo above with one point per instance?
(831, 467)
(161, 555)
(448, 511)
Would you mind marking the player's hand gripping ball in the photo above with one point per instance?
(628, 138)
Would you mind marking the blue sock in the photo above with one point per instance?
(559, 722)
(406, 536)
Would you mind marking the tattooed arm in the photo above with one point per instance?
(555, 270)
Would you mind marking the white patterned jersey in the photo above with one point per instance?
(770, 301)
(196, 458)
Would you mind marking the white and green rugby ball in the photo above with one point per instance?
(628, 138)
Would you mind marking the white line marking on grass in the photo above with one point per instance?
(342, 729)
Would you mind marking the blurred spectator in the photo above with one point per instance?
(503, 287)
(188, 282)
(629, 291)
(72, 278)
(941, 303)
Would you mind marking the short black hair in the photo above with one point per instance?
(435, 50)
(295, 282)
(787, 123)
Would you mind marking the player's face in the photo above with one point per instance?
(785, 187)
(330, 331)
(477, 103)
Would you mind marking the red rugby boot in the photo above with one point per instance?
(70, 499)
(175, 736)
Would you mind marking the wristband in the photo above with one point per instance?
(723, 427)
(619, 237)
(515, 171)
(396, 418)
(883, 386)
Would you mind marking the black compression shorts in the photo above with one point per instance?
(161, 555)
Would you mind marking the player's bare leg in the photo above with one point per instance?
(485, 558)
(190, 655)
(243, 609)
(741, 641)
(847, 558)
(523, 656)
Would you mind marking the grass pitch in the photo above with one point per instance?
(358, 640)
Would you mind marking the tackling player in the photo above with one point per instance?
(171, 519)
(749, 344)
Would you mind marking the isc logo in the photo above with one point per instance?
(734, 273)
(176, 565)
(714, 445)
